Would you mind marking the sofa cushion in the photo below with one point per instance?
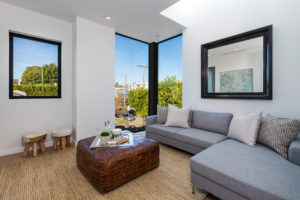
(245, 127)
(178, 117)
(253, 172)
(162, 130)
(198, 137)
(209, 121)
(162, 115)
(278, 133)
(294, 151)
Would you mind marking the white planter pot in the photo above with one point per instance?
(104, 139)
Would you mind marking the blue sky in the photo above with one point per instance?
(130, 53)
(32, 53)
(170, 58)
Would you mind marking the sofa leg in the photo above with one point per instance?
(194, 189)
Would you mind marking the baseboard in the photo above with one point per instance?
(4, 152)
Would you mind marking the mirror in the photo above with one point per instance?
(238, 66)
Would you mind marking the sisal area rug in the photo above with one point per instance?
(56, 176)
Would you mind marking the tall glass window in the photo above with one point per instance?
(170, 72)
(131, 83)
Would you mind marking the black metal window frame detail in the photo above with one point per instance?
(153, 78)
(12, 35)
(153, 72)
(140, 128)
(154, 100)
(132, 38)
(266, 33)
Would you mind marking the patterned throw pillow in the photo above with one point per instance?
(162, 115)
(278, 133)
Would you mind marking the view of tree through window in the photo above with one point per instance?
(131, 83)
(35, 67)
(170, 72)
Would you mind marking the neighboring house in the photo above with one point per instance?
(136, 85)
(119, 91)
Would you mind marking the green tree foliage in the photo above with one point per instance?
(37, 90)
(169, 92)
(50, 74)
(138, 99)
(33, 74)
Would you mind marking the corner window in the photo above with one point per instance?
(35, 67)
(170, 72)
(131, 83)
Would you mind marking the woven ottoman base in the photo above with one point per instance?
(109, 167)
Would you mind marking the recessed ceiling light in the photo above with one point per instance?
(236, 49)
(108, 18)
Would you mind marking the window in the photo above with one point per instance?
(131, 83)
(35, 67)
(170, 72)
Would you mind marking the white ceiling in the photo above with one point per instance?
(140, 19)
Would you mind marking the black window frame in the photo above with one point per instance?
(156, 86)
(152, 74)
(12, 35)
(150, 80)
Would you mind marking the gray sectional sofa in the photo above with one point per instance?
(227, 168)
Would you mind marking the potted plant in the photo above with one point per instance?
(104, 137)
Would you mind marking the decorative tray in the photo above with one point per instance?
(126, 134)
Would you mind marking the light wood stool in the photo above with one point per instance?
(62, 135)
(34, 138)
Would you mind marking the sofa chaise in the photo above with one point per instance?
(228, 168)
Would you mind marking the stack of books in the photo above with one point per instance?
(119, 140)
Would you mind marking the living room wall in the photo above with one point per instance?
(93, 78)
(87, 79)
(210, 20)
(21, 115)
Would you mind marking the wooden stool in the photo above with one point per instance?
(34, 138)
(64, 135)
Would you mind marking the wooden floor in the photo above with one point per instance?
(14, 158)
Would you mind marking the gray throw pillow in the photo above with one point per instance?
(278, 133)
(162, 115)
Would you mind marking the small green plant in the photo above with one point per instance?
(104, 134)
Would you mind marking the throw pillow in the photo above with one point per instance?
(245, 127)
(278, 133)
(162, 115)
(178, 117)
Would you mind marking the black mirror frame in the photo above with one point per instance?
(266, 32)
(11, 65)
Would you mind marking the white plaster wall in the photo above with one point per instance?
(95, 58)
(210, 20)
(19, 116)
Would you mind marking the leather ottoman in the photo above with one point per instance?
(109, 167)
